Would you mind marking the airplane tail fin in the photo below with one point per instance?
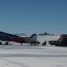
(34, 37)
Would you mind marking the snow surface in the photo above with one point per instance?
(47, 38)
(32, 56)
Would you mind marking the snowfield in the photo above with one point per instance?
(32, 56)
(47, 38)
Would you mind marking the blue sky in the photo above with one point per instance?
(33, 16)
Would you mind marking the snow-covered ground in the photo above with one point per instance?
(47, 38)
(32, 56)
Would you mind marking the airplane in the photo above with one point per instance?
(15, 38)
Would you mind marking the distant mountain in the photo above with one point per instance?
(21, 34)
(45, 33)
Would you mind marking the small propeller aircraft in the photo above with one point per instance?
(15, 38)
